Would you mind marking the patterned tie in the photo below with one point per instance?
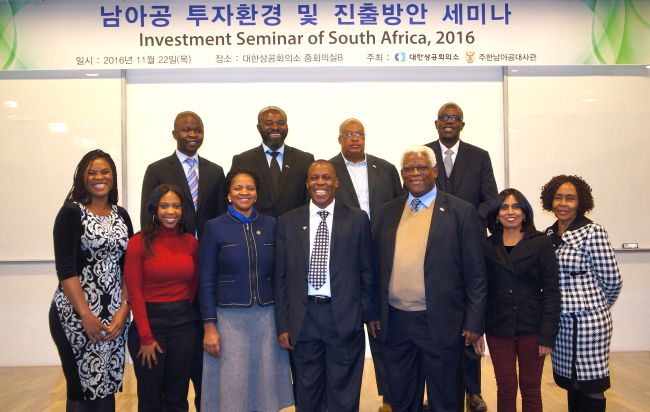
(448, 162)
(193, 181)
(414, 204)
(275, 168)
(318, 264)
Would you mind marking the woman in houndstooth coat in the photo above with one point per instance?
(590, 283)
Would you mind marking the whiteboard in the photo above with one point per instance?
(48, 121)
(398, 107)
(592, 122)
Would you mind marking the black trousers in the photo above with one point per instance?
(173, 325)
(380, 369)
(472, 367)
(328, 371)
(411, 360)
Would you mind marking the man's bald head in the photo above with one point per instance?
(451, 105)
(182, 115)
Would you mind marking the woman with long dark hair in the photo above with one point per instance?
(161, 275)
(90, 310)
(523, 301)
(590, 284)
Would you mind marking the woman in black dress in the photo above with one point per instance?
(90, 309)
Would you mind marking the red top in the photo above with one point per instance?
(172, 274)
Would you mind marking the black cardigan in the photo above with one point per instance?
(523, 288)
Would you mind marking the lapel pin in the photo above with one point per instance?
(442, 209)
(258, 232)
(304, 228)
(287, 166)
(374, 166)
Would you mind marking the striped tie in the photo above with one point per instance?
(193, 181)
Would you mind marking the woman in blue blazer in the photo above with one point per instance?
(247, 369)
(523, 304)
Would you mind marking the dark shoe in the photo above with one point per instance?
(425, 405)
(593, 404)
(475, 403)
(574, 401)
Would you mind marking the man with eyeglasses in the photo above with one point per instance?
(365, 182)
(465, 172)
(430, 267)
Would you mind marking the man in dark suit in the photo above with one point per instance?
(174, 170)
(432, 289)
(365, 182)
(201, 182)
(324, 293)
(465, 172)
(281, 168)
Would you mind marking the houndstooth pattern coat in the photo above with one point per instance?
(590, 284)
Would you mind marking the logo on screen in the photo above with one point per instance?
(400, 57)
(470, 56)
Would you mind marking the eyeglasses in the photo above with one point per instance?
(355, 134)
(421, 169)
(451, 117)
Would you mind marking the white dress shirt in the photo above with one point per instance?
(314, 221)
(454, 149)
(186, 167)
(359, 175)
(269, 157)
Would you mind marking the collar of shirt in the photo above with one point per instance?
(454, 149)
(426, 199)
(186, 167)
(269, 157)
(313, 209)
(349, 163)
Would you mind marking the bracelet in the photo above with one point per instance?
(125, 302)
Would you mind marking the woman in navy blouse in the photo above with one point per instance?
(246, 370)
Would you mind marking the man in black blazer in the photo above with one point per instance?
(466, 173)
(211, 197)
(281, 168)
(205, 202)
(365, 182)
(432, 287)
(324, 293)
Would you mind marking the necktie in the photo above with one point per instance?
(414, 204)
(449, 163)
(193, 181)
(318, 264)
(275, 168)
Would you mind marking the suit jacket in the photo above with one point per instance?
(350, 271)
(212, 197)
(384, 184)
(292, 188)
(526, 279)
(455, 282)
(473, 177)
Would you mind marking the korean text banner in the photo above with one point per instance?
(51, 34)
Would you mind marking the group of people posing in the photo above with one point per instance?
(255, 285)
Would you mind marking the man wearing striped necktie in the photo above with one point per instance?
(201, 182)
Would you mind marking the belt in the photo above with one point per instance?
(320, 299)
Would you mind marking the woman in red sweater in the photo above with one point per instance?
(161, 274)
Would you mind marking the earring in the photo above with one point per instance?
(524, 219)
